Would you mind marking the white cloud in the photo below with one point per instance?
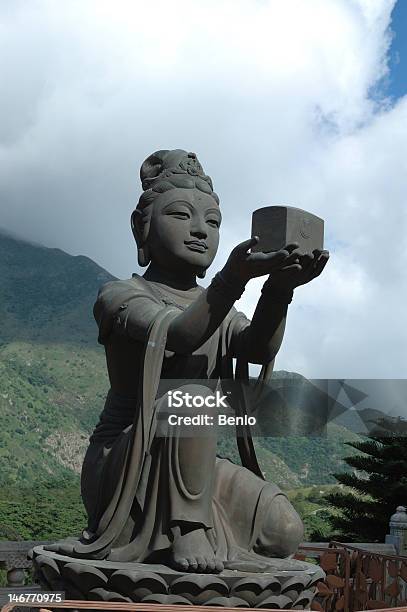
(273, 95)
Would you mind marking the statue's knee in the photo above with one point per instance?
(292, 533)
(282, 530)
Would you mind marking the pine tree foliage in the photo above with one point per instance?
(376, 487)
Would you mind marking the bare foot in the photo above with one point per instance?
(192, 552)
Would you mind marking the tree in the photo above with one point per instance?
(377, 485)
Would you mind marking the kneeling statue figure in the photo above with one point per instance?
(169, 499)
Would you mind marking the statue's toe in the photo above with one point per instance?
(201, 564)
(210, 565)
(192, 565)
(181, 564)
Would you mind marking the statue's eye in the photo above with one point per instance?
(179, 214)
(213, 222)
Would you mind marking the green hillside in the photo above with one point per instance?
(313, 459)
(46, 295)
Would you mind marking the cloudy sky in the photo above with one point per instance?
(298, 102)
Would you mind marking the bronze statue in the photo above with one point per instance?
(170, 499)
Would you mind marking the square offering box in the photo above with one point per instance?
(277, 226)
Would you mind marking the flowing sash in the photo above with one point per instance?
(138, 457)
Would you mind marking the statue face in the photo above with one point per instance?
(184, 230)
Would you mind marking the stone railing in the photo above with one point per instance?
(14, 560)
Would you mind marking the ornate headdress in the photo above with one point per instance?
(164, 170)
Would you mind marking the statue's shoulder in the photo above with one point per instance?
(132, 287)
(115, 296)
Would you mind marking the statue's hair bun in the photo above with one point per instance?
(177, 168)
(152, 167)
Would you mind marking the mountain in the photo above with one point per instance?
(46, 295)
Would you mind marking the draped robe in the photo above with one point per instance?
(130, 480)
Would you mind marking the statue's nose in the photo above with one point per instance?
(198, 228)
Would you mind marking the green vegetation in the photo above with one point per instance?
(376, 486)
(313, 459)
(47, 407)
(312, 504)
(49, 512)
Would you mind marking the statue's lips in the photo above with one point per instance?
(200, 247)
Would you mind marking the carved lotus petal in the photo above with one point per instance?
(101, 594)
(258, 584)
(194, 584)
(137, 585)
(167, 599)
(296, 584)
(279, 602)
(316, 577)
(255, 590)
(199, 588)
(71, 592)
(84, 577)
(47, 569)
(204, 597)
(304, 599)
(227, 602)
(254, 600)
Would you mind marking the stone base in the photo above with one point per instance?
(292, 585)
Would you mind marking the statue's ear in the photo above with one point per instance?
(140, 231)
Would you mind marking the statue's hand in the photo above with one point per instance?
(308, 267)
(241, 265)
